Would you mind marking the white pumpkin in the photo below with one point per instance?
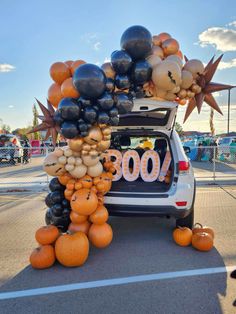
(96, 170)
(79, 171)
(52, 166)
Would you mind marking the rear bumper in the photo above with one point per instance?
(135, 210)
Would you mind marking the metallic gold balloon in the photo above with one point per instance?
(187, 79)
(179, 54)
(94, 136)
(158, 39)
(108, 70)
(170, 46)
(182, 93)
(76, 144)
(104, 145)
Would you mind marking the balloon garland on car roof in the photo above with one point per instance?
(84, 102)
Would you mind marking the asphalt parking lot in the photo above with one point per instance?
(142, 271)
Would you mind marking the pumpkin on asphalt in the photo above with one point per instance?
(100, 216)
(84, 202)
(200, 228)
(100, 235)
(43, 257)
(47, 234)
(202, 241)
(182, 236)
(83, 227)
(72, 249)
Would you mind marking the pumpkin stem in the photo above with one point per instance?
(197, 224)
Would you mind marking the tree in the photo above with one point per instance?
(35, 122)
(179, 128)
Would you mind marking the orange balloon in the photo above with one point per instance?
(69, 63)
(170, 46)
(54, 94)
(182, 102)
(59, 72)
(179, 54)
(68, 89)
(75, 65)
(158, 39)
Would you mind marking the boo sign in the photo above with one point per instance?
(140, 165)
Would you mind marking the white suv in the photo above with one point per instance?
(154, 176)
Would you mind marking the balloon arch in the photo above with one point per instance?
(84, 102)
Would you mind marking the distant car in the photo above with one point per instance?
(8, 142)
(223, 145)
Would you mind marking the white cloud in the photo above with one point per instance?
(4, 67)
(232, 24)
(10, 106)
(97, 45)
(107, 60)
(224, 39)
(227, 64)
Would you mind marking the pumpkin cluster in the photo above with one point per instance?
(201, 237)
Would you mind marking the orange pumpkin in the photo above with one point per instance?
(75, 65)
(103, 183)
(83, 227)
(68, 89)
(200, 228)
(202, 241)
(182, 236)
(72, 249)
(100, 235)
(100, 215)
(64, 179)
(68, 194)
(43, 257)
(78, 185)
(84, 202)
(71, 185)
(47, 234)
(59, 72)
(54, 94)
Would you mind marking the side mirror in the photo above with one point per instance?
(187, 149)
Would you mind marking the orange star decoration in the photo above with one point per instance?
(48, 122)
(207, 88)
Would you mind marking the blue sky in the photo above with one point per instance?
(34, 34)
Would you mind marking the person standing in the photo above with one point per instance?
(26, 153)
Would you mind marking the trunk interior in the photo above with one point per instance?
(136, 141)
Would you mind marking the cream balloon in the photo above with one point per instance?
(96, 170)
(187, 79)
(175, 59)
(71, 160)
(194, 66)
(157, 51)
(69, 167)
(58, 152)
(62, 160)
(68, 152)
(170, 96)
(78, 161)
(153, 60)
(90, 160)
(79, 171)
(166, 75)
(52, 166)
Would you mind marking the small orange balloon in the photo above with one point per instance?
(59, 72)
(69, 63)
(68, 89)
(158, 39)
(170, 46)
(182, 102)
(179, 54)
(54, 94)
(75, 65)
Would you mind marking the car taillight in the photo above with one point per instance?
(183, 166)
(181, 203)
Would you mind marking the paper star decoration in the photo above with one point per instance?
(48, 122)
(208, 87)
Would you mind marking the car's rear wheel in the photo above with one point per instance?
(187, 221)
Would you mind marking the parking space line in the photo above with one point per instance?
(114, 282)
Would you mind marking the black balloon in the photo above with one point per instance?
(57, 210)
(124, 103)
(114, 121)
(69, 109)
(65, 203)
(103, 117)
(57, 197)
(106, 102)
(84, 133)
(69, 129)
(48, 216)
(84, 102)
(121, 61)
(90, 114)
(141, 72)
(122, 81)
(113, 112)
(55, 185)
(61, 222)
(110, 85)
(58, 118)
(48, 201)
(137, 41)
(82, 125)
(89, 80)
